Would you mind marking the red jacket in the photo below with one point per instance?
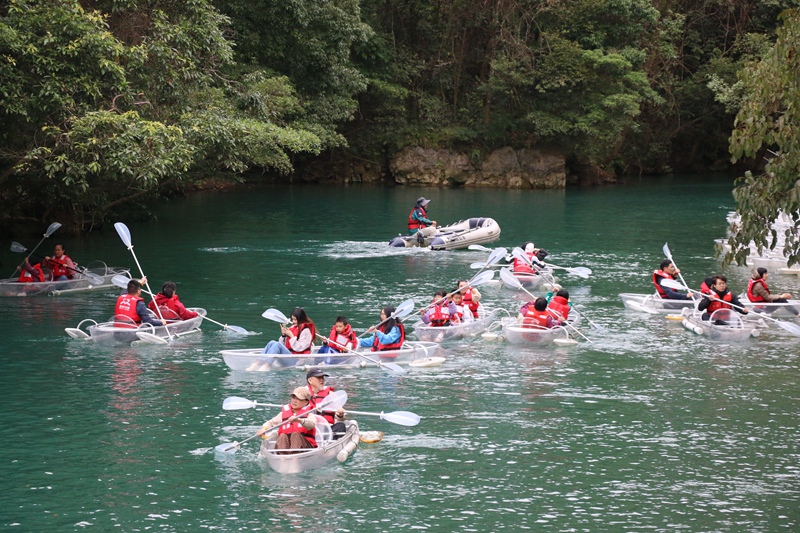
(172, 303)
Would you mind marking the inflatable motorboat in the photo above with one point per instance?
(453, 237)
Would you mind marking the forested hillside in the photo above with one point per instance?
(110, 105)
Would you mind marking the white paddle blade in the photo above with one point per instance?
(565, 341)
(582, 272)
(227, 447)
(397, 369)
(403, 418)
(509, 278)
(404, 308)
(94, 279)
(788, 326)
(235, 403)
(121, 281)
(666, 251)
(672, 284)
(18, 248)
(333, 401)
(481, 278)
(76, 333)
(478, 247)
(275, 316)
(52, 229)
(519, 253)
(496, 256)
(477, 265)
(124, 234)
(149, 338)
(240, 330)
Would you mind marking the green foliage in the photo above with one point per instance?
(100, 109)
(768, 122)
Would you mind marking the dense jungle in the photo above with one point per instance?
(110, 106)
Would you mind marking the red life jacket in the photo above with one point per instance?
(473, 306)
(58, 267)
(440, 316)
(126, 307)
(297, 330)
(378, 347)
(459, 316)
(296, 427)
(27, 277)
(705, 289)
(535, 318)
(174, 304)
(558, 308)
(318, 398)
(657, 275)
(524, 267)
(416, 224)
(349, 336)
(753, 297)
(716, 304)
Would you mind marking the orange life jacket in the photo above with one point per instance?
(716, 304)
(342, 339)
(58, 266)
(659, 275)
(126, 307)
(295, 426)
(27, 277)
(318, 398)
(752, 296)
(378, 347)
(297, 330)
(558, 308)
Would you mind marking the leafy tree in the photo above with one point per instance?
(768, 123)
(101, 109)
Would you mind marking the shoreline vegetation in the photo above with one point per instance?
(111, 107)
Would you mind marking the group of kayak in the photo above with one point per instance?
(713, 309)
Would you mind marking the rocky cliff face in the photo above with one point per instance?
(503, 168)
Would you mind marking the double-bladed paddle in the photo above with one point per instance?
(583, 272)
(494, 258)
(94, 278)
(788, 326)
(125, 234)
(478, 279)
(402, 310)
(122, 281)
(332, 402)
(403, 418)
(511, 279)
(50, 230)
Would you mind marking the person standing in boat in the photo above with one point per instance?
(472, 298)
(668, 271)
(299, 434)
(62, 267)
(319, 391)
(169, 298)
(342, 338)
(131, 307)
(758, 291)
(418, 220)
(720, 298)
(388, 335)
(297, 339)
(441, 311)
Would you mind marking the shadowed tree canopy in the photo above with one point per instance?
(767, 126)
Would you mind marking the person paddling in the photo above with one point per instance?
(668, 270)
(720, 298)
(389, 335)
(319, 391)
(758, 291)
(341, 338)
(60, 264)
(299, 434)
(131, 310)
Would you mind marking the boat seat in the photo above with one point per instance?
(324, 434)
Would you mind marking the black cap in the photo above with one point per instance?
(316, 373)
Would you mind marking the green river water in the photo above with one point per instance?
(647, 428)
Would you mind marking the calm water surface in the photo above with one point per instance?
(647, 428)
